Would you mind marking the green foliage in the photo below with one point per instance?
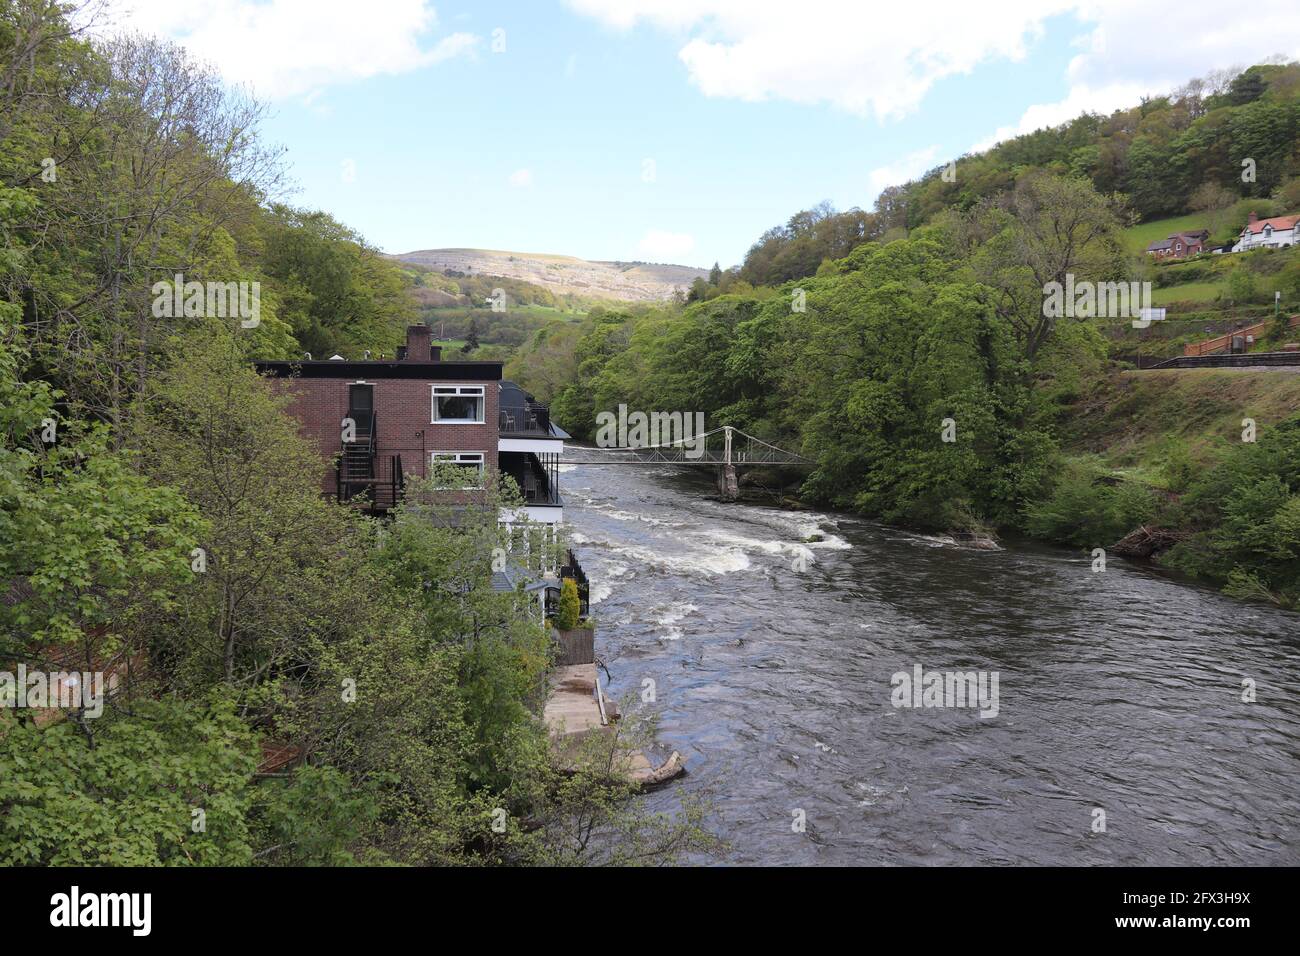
(587, 819)
(1244, 515)
(1086, 509)
(312, 818)
(1241, 285)
(1159, 153)
(130, 799)
(337, 293)
(566, 618)
(797, 248)
(380, 657)
(79, 529)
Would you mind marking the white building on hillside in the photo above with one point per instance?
(1278, 231)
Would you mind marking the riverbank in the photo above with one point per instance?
(1151, 467)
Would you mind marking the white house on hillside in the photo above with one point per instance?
(1278, 231)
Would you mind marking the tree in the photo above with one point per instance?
(165, 161)
(338, 294)
(281, 562)
(1046, 229)
(566, 618)
(901, 343)
(1216, 202)
(133, 798)
(1241, 285)
(82, 535)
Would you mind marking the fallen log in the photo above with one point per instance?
(1144, 542)
(671, 768)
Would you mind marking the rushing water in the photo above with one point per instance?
(1119, 690)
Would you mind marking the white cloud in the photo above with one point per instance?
(1135, 51)
(882, 59)
(908, 167)
(521, 178)
(660, 246)
(287, 48)
(865, 58)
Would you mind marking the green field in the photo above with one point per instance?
(1187, 292)
(1138, 237)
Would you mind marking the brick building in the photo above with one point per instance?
(1180, 245)
(379, 422)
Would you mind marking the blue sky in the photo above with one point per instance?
(664, 131)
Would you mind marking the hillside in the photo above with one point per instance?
(1221, 146)
(1143, 419)
(629, 281)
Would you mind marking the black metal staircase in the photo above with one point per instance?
(365, 478)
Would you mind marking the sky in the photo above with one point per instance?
(670, 130)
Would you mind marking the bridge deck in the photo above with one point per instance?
(722, 446)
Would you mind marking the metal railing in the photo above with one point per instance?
(532, 418)
(1237, 360)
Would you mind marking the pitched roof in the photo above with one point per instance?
(1277, 222)
(1160, 244)
(513, 575)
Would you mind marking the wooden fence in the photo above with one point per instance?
(577, 646)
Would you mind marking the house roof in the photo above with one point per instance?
(474, 371)
(1277, 222)
(1160, 244)
(513, 575)
(1193, 235)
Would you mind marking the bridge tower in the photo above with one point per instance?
(728, 485)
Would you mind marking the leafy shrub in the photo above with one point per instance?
(1245, 517)
(1084, 510)
(566, 618)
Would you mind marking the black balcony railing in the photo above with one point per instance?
(572, 569)
(531, 418)
(536, 475)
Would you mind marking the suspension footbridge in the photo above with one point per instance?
(724, 448)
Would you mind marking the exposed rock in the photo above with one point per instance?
(979, 540)
(628, 281)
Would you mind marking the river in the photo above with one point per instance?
(772, 636)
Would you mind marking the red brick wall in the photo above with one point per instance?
(402, 408)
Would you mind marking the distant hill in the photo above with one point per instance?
(628, 281)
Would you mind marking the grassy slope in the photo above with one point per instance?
(1138, 237)
(1187, 292)
(1138, 419)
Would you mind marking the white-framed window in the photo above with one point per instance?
(458, 405)
(472, 462)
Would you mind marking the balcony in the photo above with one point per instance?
(529, 420)
(536, 475)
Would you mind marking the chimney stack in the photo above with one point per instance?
(1252, 218)
(418, 348)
